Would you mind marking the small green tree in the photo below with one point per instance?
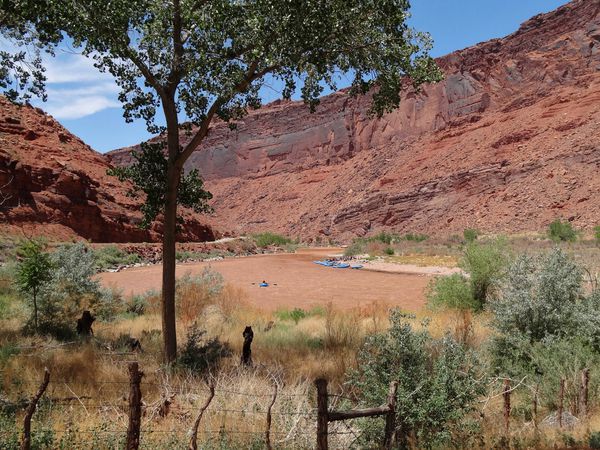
(485, 263)
(597, 233)
(470, 234)
(560, 231)
(34, 270)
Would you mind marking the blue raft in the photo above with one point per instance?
(334, 264)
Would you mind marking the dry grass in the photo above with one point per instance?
(93, 377)
(424, 260)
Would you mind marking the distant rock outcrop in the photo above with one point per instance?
(51, 183)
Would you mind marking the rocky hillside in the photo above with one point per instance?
(508, 142)
(53, 184)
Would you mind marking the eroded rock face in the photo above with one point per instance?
(54, 184)
(507, 142)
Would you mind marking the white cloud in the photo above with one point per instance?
(76, 88)
(79, 106)
(72, 68)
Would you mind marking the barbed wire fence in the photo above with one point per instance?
(133, 419)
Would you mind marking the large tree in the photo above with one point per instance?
(202, 60)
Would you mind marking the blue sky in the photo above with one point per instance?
(85, 101)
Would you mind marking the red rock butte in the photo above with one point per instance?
(55, 185)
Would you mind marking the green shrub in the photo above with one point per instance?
(202, 356)
(72, 289)
(295, 314)
(560, 231)
(385, 238)
(437, 384)
(594, 441)
(209, 280)
(136, 305)
(485, 264)
(389, 251)
(7, 279)
(470, 234)
(8, 350)
(111, 257)
(452, 291)
(556, 359)
(597, 233)
(358, 247)
(415, 237)
(539, 297)
(268, 239)
(544, 322)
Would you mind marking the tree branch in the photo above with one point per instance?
(249, 77)
(148, 75)
(176, 69)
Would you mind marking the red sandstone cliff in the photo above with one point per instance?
(508, 142)
(51, 183)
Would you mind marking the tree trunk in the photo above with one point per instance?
(168, 282)
(174, 168)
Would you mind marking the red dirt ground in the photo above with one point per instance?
(295, 282)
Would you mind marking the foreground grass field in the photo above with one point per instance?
(86, 402)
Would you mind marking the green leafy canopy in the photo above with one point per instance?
(34, 266)
(149, 174)
(216, 53)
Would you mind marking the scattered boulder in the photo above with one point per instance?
(569, 421)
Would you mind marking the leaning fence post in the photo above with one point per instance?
(322, 414)
(193, 439)
(268, 429)
(26, 441)
(390, 420)
(561, 399)
(584, 392)
(135, 407)
(506, 406)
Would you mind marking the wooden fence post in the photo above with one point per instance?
(194, 438)
(390, 420)
(506, 406)
(26, 441)
(268, 429)
(584, 392)
(561, 400)
(135, 407)
(322, 414)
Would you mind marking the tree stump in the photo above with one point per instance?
(84, 325)
(248, 335)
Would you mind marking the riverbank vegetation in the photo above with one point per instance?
(526, 319)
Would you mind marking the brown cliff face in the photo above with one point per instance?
(507, 142)
(51, 183)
